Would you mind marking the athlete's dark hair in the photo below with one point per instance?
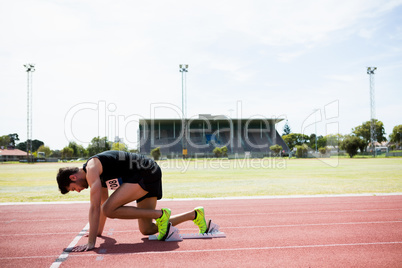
(63, 178)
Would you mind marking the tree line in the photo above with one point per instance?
(359, 139)
(72, 150)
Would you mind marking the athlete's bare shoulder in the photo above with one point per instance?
(94, 166)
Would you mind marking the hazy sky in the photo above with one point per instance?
(103, 65)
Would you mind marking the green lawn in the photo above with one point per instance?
(225, 178)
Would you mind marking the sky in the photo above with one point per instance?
(101, 66)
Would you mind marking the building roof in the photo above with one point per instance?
(207, 117)
(12, 152)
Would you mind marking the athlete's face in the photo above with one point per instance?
(78, 183)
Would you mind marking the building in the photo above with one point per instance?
(12, 155)
(242, 137)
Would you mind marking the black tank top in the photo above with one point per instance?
(118, 164)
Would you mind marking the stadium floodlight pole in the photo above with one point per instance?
(315, 123)
(183, 68)
(30, 68)
(370, 72)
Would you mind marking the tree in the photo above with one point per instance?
(79, 150)
(363, 131)
(13, 139)
(294, 139)
(311, 142)
(351, 144)
(55, 153)
(67, 152)
(44, 149)
(5, 141)
(98, 145)
(35, 145)
(9, 140)
(276, 149)
(396, 135)
(120, 146)
(156, 153)
(321, 141)
(334, 140)
(286, 129)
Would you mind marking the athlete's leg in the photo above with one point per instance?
(198, 218)
(115, 205)
(146, 225)
(186, 216)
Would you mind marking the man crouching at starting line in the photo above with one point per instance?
(133, 177)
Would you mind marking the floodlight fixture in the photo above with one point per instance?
(370, 70)
(30, 67)
(183, 68)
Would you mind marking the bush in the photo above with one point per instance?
(156, 153)
(276, 149)
(217, 152)
(224, 150)
(323, 150)
(301, 150)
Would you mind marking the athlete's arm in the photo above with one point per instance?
(102, 220)
(94, 169)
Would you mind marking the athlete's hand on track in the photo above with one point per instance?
(85, 247)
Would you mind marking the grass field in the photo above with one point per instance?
(224, 178)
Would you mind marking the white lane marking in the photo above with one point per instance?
(244, 214)
(235, 227)
(224, 249)
(63, 256)
(220, 198)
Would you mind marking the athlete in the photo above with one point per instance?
(133, 177)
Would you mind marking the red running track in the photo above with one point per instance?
(360, 231)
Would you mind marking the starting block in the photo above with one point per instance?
(174, 233)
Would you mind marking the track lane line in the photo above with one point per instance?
(385, 243)
(237, 214)
(63, 256)
(234, 227)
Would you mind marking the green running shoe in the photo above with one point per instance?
(163, 224)
(200, 219)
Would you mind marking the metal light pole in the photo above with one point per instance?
(30, 68)
(315, 123)
(183, 68)
(370, 72)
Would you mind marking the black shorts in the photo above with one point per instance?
(151, 181)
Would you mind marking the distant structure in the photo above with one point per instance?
(242, 137)
(183, 68)
(12, 155)
(370, 72)
(30, 68)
